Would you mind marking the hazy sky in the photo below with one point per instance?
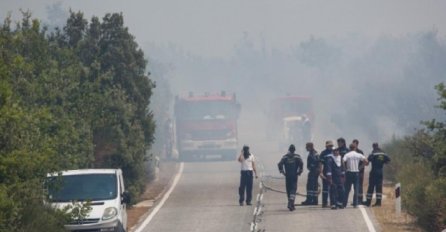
(391, 66)
(211, 27)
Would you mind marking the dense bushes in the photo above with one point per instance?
(74, 98)
(419, 163)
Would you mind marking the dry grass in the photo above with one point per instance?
(387, 218)
(134, 214)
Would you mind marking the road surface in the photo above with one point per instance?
(205, 199)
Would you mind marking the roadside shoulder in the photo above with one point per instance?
(155, 190)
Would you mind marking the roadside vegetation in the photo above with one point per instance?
(73, 97)
(419, 163)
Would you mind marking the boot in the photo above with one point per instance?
(360, 200)
(306, 202)
(377, 203)
(313, 200)
(367, 203)
(290, 205)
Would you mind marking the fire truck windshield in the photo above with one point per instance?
(202, 110)
(295, 107)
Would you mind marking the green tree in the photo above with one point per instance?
(114, 93)
(74, 98)
(419, 162)
(438, 129)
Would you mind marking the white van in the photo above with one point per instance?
(103, 188)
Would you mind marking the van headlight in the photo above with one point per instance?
(109, 213)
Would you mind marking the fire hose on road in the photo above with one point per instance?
(264, 187)
(267, 187)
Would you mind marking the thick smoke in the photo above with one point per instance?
(362, 88)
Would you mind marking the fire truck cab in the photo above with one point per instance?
(206, 125)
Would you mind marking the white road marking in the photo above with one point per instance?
(163, 200)
(367, 219)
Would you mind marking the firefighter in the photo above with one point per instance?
(378, 158)
(248, 171)
(323, 172)
(313, 174)
(291, 166)
(361, 173)
(334, 171)
(342, 147)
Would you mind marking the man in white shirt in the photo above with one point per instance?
(352, 160)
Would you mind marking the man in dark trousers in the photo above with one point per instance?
(323, 172)
(291, 166)
(351, 161)
(378, 158)
(361, 173)
(313, 174)
(334, 168)
(342, 147)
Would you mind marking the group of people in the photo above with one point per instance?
(339, 168)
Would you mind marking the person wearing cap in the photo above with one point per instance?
(323, 172)
(313, 174)
(361, 173)
(351, 161)
(248, 171)
(334, 172)
(291, 166)
(378, 158)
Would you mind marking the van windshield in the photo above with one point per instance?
(88, 187)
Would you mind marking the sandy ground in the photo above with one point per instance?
(154, 190)
(386, 215)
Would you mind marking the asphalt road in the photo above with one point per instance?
(206, 199)
(277, 217)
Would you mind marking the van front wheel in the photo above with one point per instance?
(121, 228)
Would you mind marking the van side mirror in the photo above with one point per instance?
(125, 198)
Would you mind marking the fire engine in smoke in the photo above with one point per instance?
(290, 120)
(206, 125)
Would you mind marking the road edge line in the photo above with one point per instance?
(367, 220)
(163, 200)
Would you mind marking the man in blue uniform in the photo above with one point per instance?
(313, 174)
(323, 172)
(378, 158)
(334, 172)
(342, 147)
(291, 166)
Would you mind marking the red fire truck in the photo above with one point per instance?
(206, 125)
(290, 119)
